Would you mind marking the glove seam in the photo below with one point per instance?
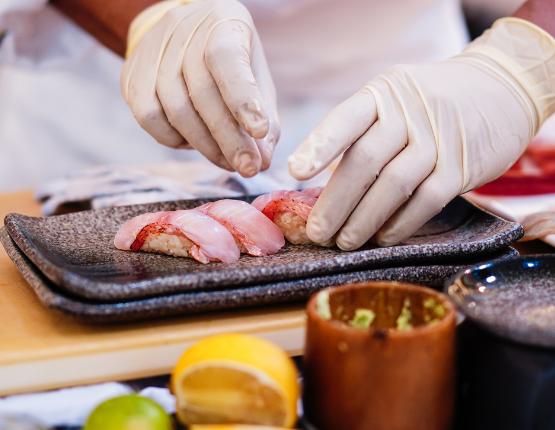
(147, 19)
(436, 134)
(406, 112)
(211, 29)
(531, 25)
(473, 60)
(509, 65)
(520, 64)
(166, 41)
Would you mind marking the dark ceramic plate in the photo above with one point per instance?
(76, 252)
(185, 303)
(513, 298)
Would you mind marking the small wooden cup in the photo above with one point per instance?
(380, 378)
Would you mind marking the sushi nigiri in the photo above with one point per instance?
(255, 232)
(289, 210)
(182, 233)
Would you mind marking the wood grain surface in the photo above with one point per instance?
(44, 349)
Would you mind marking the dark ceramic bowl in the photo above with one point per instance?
(513, 298)
(506, 346)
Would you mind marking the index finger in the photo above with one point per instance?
(337, 132)
(228, 58)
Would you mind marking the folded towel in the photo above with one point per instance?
(107, 186)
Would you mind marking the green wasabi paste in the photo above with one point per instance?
(403, 321)
(363, 319)
(437, 309)
(323, 304)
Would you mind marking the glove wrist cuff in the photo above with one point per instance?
(527, 53)
(147, 19)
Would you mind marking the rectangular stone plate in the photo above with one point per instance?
(233, 297)
(76, 253)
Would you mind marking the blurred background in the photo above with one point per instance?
(480, 14)
(46, 117)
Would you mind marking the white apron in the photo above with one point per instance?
(60, 102)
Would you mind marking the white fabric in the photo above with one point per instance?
(37, 36)
(108, 186)
(328, 49)
(61, 107)
(516, 208)
(162, 396)
(65, 407)
(72, 406)
(528, 53)
(58, 118)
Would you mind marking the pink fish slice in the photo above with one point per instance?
(256, 233)
(289, 210)
(297, 202)
(183, 233)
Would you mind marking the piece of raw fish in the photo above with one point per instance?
(257, 234)
(182, 233)
(289, 210)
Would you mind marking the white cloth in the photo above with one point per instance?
(60, 103)
(72, 406)
(108, 186)
(68, 406)
(37, 36)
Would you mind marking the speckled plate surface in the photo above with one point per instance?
(200, 301)
(513, 298)
(76, 252)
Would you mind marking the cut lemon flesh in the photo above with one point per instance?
(235, 379)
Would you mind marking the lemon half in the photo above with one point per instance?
(235, 378)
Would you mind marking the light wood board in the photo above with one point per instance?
(42, 349)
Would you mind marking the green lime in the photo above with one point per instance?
(129, 413)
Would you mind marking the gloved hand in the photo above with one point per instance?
(418, 135)
(196, 77)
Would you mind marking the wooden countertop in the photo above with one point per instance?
(19, 202)
(43, 349)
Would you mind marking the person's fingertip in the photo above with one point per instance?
(254, 120)
(343, 247)
(386, 239)
(317, 231)
(301, 167)
(346, 242)
(247, 165)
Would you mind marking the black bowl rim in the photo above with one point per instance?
(501, 264)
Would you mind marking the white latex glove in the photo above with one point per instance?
(197, 77)
(418, 135)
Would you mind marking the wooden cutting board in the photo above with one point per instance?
(43, 349)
